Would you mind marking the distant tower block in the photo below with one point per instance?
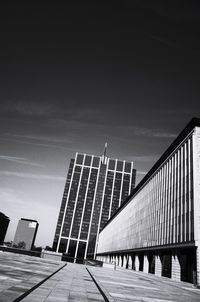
(95, 187)
(26, 233)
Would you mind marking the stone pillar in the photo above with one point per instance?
(124, 261)
(120, 260)
(137, 263)
(158, 266)
(196, 194)
(176, 268)
(130, 262)
(197, 273)
(146, 264)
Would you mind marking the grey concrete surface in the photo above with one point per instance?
(127, 285)
(73, 283)
(19, 273)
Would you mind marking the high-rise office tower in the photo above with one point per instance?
(95, 187)
(25, 233)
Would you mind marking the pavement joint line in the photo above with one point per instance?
(38, 284)
(107, 297)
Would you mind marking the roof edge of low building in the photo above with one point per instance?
(194, 122)
(30, 220)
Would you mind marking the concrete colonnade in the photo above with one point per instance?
(176, 264)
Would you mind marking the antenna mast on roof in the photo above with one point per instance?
(104, 157)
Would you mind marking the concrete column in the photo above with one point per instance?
(120, 260)
(124, 261)
(196, 191)
(130, 262)
(158, 266)
(137, 263)
(146, 264)
(176, 268)
(197, 275)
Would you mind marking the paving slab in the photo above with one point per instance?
(20, 273)
(72, 283)
(128, 285)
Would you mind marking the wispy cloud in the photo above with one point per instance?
(127, 132)
(30, 107)
(143, 158)
(154, 133)
(19, 160)
(33, 176)
(38, 138)
(8, 195)
(162, 40)
(36, 144)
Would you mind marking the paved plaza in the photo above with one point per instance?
(128, 285)
(50, 281)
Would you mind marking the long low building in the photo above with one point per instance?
(157, 229)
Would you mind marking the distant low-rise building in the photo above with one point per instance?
(25, 234)
(4, 222)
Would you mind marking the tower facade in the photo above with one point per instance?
(95, 187)
(26, 233)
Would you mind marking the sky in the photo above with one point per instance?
(74, 76)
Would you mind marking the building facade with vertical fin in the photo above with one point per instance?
(95, 187)
(157, 230)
